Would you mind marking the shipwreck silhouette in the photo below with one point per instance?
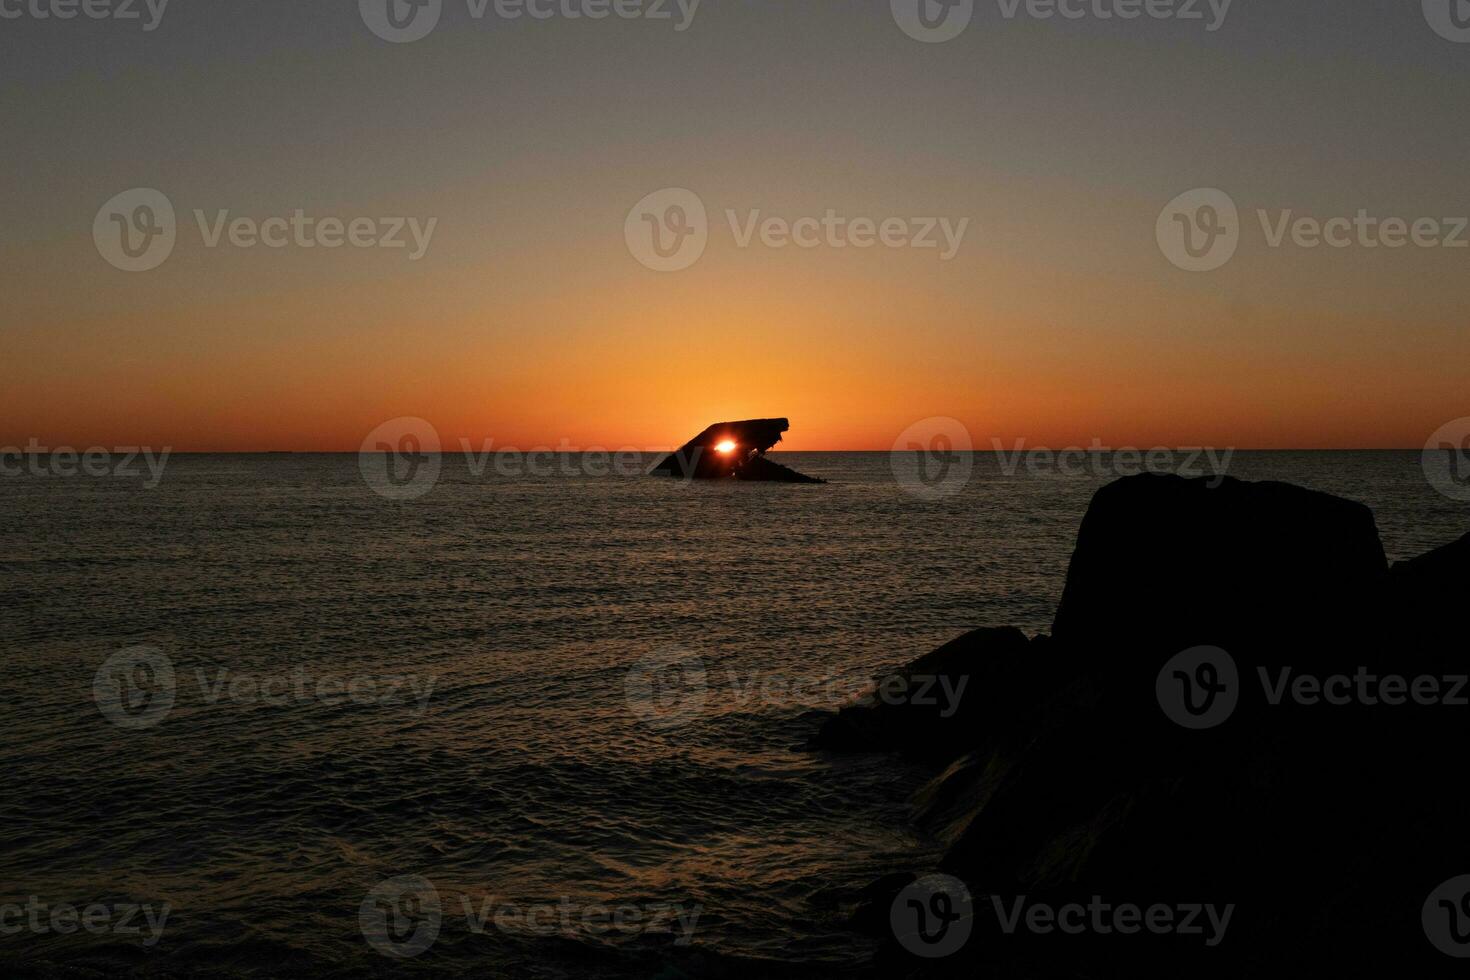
(732, 450)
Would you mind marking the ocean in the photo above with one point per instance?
(567, 709)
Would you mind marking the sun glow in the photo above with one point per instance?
(726, 447)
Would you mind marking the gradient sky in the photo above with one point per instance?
(529, 322)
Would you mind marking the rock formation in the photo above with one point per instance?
(1060, 775)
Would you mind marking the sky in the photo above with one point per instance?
(532, 318)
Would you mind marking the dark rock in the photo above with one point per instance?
(1427, 597)
(1442, 574)
(943, 704)
(870, 905)
(1327, 826)
(1163, 563)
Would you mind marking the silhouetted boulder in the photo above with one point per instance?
(977, 686)
(1163, 563)
(1069, 774)
(1427, 597)
(1442, 574)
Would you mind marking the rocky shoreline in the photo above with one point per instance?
(1240, 703)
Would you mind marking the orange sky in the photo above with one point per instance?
(529, 322)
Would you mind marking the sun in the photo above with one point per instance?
(726, 447)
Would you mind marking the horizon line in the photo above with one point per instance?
(576, 452)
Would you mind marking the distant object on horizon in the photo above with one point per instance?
(732, 449)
